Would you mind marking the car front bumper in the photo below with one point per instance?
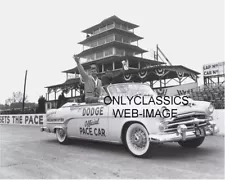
(183, 134)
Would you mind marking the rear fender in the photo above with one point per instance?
(59, 127)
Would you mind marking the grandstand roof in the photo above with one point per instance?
(67, 82)
(151, 77)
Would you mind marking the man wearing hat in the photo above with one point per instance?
(92, 85)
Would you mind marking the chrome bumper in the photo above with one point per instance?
(183, 134)
(45, 129)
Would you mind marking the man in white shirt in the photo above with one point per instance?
(92, 85)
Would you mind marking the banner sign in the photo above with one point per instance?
(177, 90)
(23, 119)
(214, 69)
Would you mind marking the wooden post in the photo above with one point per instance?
(157, 51)
(113, 66)
(24, 90)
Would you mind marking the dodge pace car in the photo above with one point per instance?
(112, 121)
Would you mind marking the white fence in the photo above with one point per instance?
(23, 119)
(39, 119)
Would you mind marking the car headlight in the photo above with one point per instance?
(210, 108)
(163, 123)
(162, 109)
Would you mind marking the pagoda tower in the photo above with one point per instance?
(110, 42)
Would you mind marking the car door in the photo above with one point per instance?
(90, 121)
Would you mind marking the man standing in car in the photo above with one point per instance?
(92, 85)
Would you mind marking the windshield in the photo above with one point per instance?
(130, 89)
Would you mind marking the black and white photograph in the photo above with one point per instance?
(120, 89)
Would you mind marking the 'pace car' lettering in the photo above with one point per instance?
(93, 111)
(92, 131)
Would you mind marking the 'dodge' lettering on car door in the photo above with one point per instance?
(93, 111)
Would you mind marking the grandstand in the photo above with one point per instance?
(213, 88)
(213, 93)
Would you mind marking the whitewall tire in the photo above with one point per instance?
(137, 140)
(61, 136)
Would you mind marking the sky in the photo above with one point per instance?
(41, 36)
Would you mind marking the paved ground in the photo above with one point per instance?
(28, 153)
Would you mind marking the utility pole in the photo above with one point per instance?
(24, 90)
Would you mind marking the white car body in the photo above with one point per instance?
(97, 122)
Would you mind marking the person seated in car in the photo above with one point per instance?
(92, 85)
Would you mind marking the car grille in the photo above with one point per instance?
(187, 120)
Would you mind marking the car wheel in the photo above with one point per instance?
(61, 136)
(137, 140)
(192, 143)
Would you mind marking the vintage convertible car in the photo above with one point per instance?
(112, 121)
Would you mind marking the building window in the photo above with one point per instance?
(133, 64)
(123, 27)
(118, 38)
(120, 52)
(101, 42)
(99, 55)
(123, 39)
(109, 38)
(117, 26)
(129, 53)
(126, 40)
(110, 26)
(103, 29)
(109, 52)
(108, 66)
(96, 31)
(90, 57)
(118, 65)
(93, 44)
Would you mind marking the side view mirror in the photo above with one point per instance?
(101, 99)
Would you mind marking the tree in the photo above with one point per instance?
(17, 97)
(41, 105)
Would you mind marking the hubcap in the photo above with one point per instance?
(61, 133)
(138, 138)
